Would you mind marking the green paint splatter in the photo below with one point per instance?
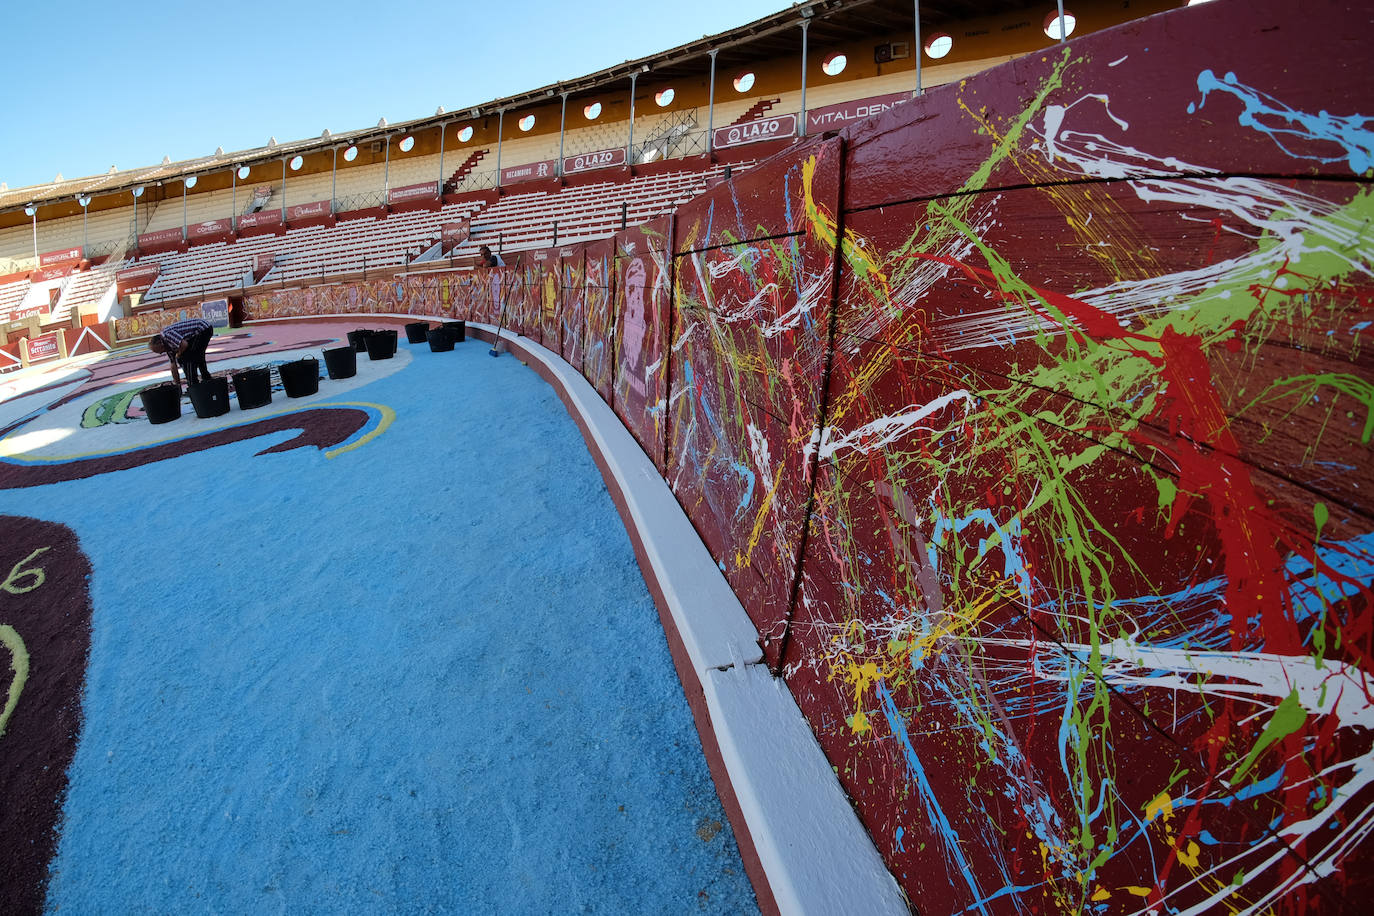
(1288, 718)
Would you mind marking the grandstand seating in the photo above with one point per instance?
(11, 294)
(521, 221)
(517, 221)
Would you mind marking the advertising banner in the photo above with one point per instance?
(29, 312)
(261, 218)
(43, 347)
(136, 279)
(530, 172)
(209, 227)
(754, 131)
(601, 159)
(413, 192)
(57, 257)
(160, 238)
(216, 311)
(454, 234)
(52, 273)
(830, 117)
(307, 211)
(262, 264)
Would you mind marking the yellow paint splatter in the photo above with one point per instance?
(1189, 857)
(1162, 804)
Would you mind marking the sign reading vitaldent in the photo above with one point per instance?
(754, 131)
(601, 159)
(833, 116)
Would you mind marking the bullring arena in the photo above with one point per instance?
(874, 482)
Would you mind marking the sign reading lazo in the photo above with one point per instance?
(601, 159)
(754, 131)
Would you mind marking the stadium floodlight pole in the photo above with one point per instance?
(500, 129)
(386, 173)
(32, 211)
(440, 184)
(562, 124)
(629, 144)
(917, 5)
(711, 105)
(1063, 32)
(805, 24)
(85, 201)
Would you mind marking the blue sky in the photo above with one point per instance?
(93, 85)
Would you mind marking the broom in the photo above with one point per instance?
(505, 296)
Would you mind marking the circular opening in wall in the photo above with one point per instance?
(243, 171)
(350, 154)
(191, 182)
(407, 144)
(465, 134)
(296, 164)
(664, 97)
(939, 45)
(526, 122)
(1052, 28)
(744, 82)
(834, 65)
(138, 192)
(592, 111)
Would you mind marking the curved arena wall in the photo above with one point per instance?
(1030, 423)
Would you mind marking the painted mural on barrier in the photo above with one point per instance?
(1085, 615)
(752, 299)
(1053, 513)
(643, 270)
(441, 295)
(150, 323)
(572, 280)
(597, 363)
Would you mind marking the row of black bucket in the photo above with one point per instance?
(299, 378)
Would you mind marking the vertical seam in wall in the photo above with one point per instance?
(822, 417)
(669, 326)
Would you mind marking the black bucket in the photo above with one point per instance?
(341, 362)
(253, 387)
(210, 398)
(415, 331)
(458, 329)
(358, 340)
(440, 340)
(390, 335)
(379, 347)
(162, 403)
(300, 377)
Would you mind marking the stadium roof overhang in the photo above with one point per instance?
(776, 35)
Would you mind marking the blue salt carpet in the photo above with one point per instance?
(422, 676)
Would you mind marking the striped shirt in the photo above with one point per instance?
(174, 334)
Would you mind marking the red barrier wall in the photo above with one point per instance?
(1031, 423)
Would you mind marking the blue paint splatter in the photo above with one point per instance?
(1270, 116)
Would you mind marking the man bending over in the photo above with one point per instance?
(185, 343)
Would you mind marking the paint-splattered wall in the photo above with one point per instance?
(1048, 494)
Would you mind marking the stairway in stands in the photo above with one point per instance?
(463, 170)
(756, 111)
